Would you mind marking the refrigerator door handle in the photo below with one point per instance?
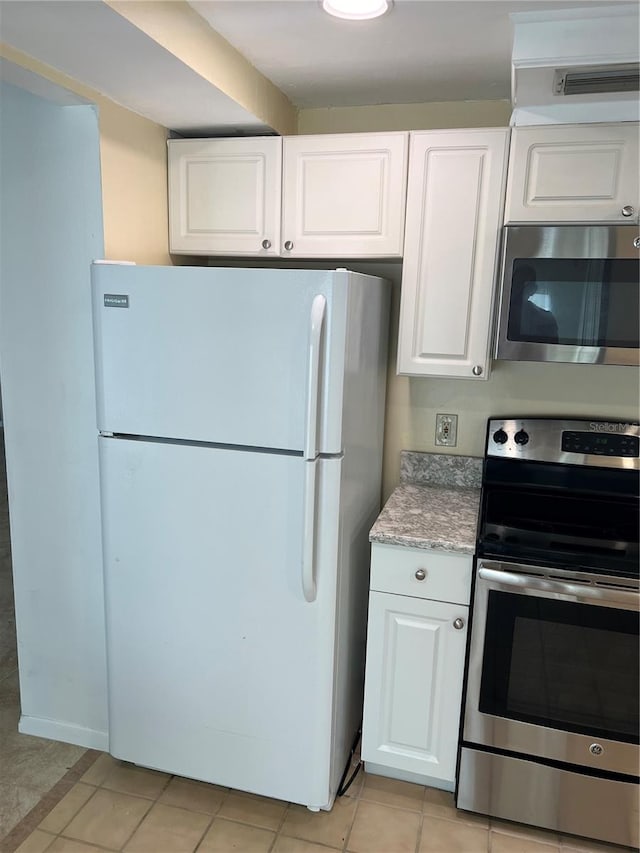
(309, 532)
(313, 374)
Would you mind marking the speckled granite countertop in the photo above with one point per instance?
(435, 506)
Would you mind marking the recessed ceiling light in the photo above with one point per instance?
(356, 10)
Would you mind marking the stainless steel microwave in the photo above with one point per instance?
(569, 293)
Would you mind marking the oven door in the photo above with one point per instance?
(553, 666)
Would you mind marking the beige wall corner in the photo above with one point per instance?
(185, 34)
(133, 156)
(133, 161)
(428, 116)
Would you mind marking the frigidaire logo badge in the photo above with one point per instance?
(606, 426)
(116, 300)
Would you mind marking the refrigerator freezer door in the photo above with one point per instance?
(219, 668)
(221, 355)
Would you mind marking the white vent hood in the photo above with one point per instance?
(560, 58)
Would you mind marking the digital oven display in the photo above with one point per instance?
(600, 444)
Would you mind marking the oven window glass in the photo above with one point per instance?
(563, 665)
(572, 528)
(576, 302)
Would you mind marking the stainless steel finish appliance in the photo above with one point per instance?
(569, 293)
(551, 714)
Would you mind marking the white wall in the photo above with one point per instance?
(133, 161)
(50, 229)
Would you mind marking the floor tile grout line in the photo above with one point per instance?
(211, 817)
(78, 810)
(212, 820)
(32, 819)
(278, 832)
(111, 790)
(420, 829)
(347, 837)
(138, 825)
(301, 838)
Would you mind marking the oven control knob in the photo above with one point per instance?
(596, 749)
(500, 436)
(521, 437)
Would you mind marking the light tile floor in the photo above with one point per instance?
(119, 807)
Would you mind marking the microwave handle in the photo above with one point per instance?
(599, 594)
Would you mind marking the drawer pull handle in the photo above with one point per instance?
(458, 623)
(421, 574)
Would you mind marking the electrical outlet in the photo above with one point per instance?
(447, 430)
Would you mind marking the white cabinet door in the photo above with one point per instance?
(454, 216)
(224, 196)
(343, 195)
(413, 685)
(574, 173)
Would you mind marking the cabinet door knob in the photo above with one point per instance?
(476, 370)
(458, 623)
(627, 210)
(636, 242)
(288, 245)
(421, 574)
(266, 244)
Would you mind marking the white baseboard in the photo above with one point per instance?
(65, 732)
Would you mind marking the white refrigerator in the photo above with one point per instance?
(240, 417)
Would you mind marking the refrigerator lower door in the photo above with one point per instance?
(219, 669)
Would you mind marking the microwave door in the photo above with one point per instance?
(568, 300)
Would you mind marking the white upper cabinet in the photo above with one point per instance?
(454, 216)
(574, 173)
(343, 195)
(340, 196)
(224, 196)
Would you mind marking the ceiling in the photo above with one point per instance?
(87, 41)
(421, 51)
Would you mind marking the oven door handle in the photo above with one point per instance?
(601, 594)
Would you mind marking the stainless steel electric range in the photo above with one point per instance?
(551, 717)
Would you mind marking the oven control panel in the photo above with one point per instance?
(600, 444)
(613, 444)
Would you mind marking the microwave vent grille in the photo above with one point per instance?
(597, 79)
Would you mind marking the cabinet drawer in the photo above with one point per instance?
(447, 577)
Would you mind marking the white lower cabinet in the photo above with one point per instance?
(413, 684)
